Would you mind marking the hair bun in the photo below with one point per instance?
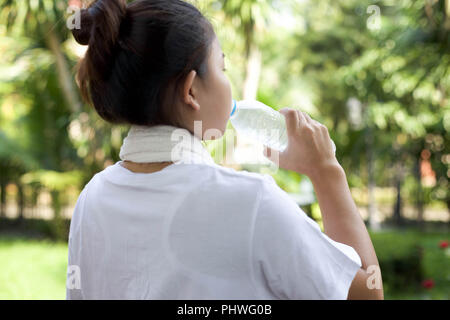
(103, 17)
(83, 35)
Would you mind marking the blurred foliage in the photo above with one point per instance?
(375, 72)
(317, 56)
(53, 180)
(398, 75)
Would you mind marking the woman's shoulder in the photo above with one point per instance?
(241, 180)
(219, 184)
(231, 173)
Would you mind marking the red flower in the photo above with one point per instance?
(428, 283)
(443, 244)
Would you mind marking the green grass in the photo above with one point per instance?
(32, 269)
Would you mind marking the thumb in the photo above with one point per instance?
(292, 119)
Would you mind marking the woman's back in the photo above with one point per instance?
(188, 232)
(175, 233)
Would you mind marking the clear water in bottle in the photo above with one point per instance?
(261, 123)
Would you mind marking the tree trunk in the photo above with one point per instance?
(448, 210)
(372, 206)
(34, 198)
(2, 198)
(447, 15)
(398, 219)
(56, 204)
(20, 201)
(64, 73)
(419, 195)
(59, 231)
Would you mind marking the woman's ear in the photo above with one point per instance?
(190, 91)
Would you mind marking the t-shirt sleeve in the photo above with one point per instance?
(292, 258)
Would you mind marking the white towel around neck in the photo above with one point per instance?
(163, 143)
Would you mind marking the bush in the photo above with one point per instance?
(55, 229)
(413, 265)
(400, 259)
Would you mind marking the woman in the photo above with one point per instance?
(166, 222)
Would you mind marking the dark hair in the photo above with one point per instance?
(138, 56)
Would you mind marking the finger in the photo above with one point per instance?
(302, 119)
(292, 120)
(271, 154)
(308, 118)
(317, 123)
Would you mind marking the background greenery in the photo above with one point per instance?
(376, 73)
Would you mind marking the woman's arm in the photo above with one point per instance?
(343, 223)
(310, 152)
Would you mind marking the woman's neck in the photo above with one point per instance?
(145, 167)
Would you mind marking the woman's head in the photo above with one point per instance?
(153, 62)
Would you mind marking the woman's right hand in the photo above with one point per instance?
(309, 148)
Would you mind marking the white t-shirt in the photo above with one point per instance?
(199, 231)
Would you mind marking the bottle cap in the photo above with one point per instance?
(234, 108)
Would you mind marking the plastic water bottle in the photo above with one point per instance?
(261, 123)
